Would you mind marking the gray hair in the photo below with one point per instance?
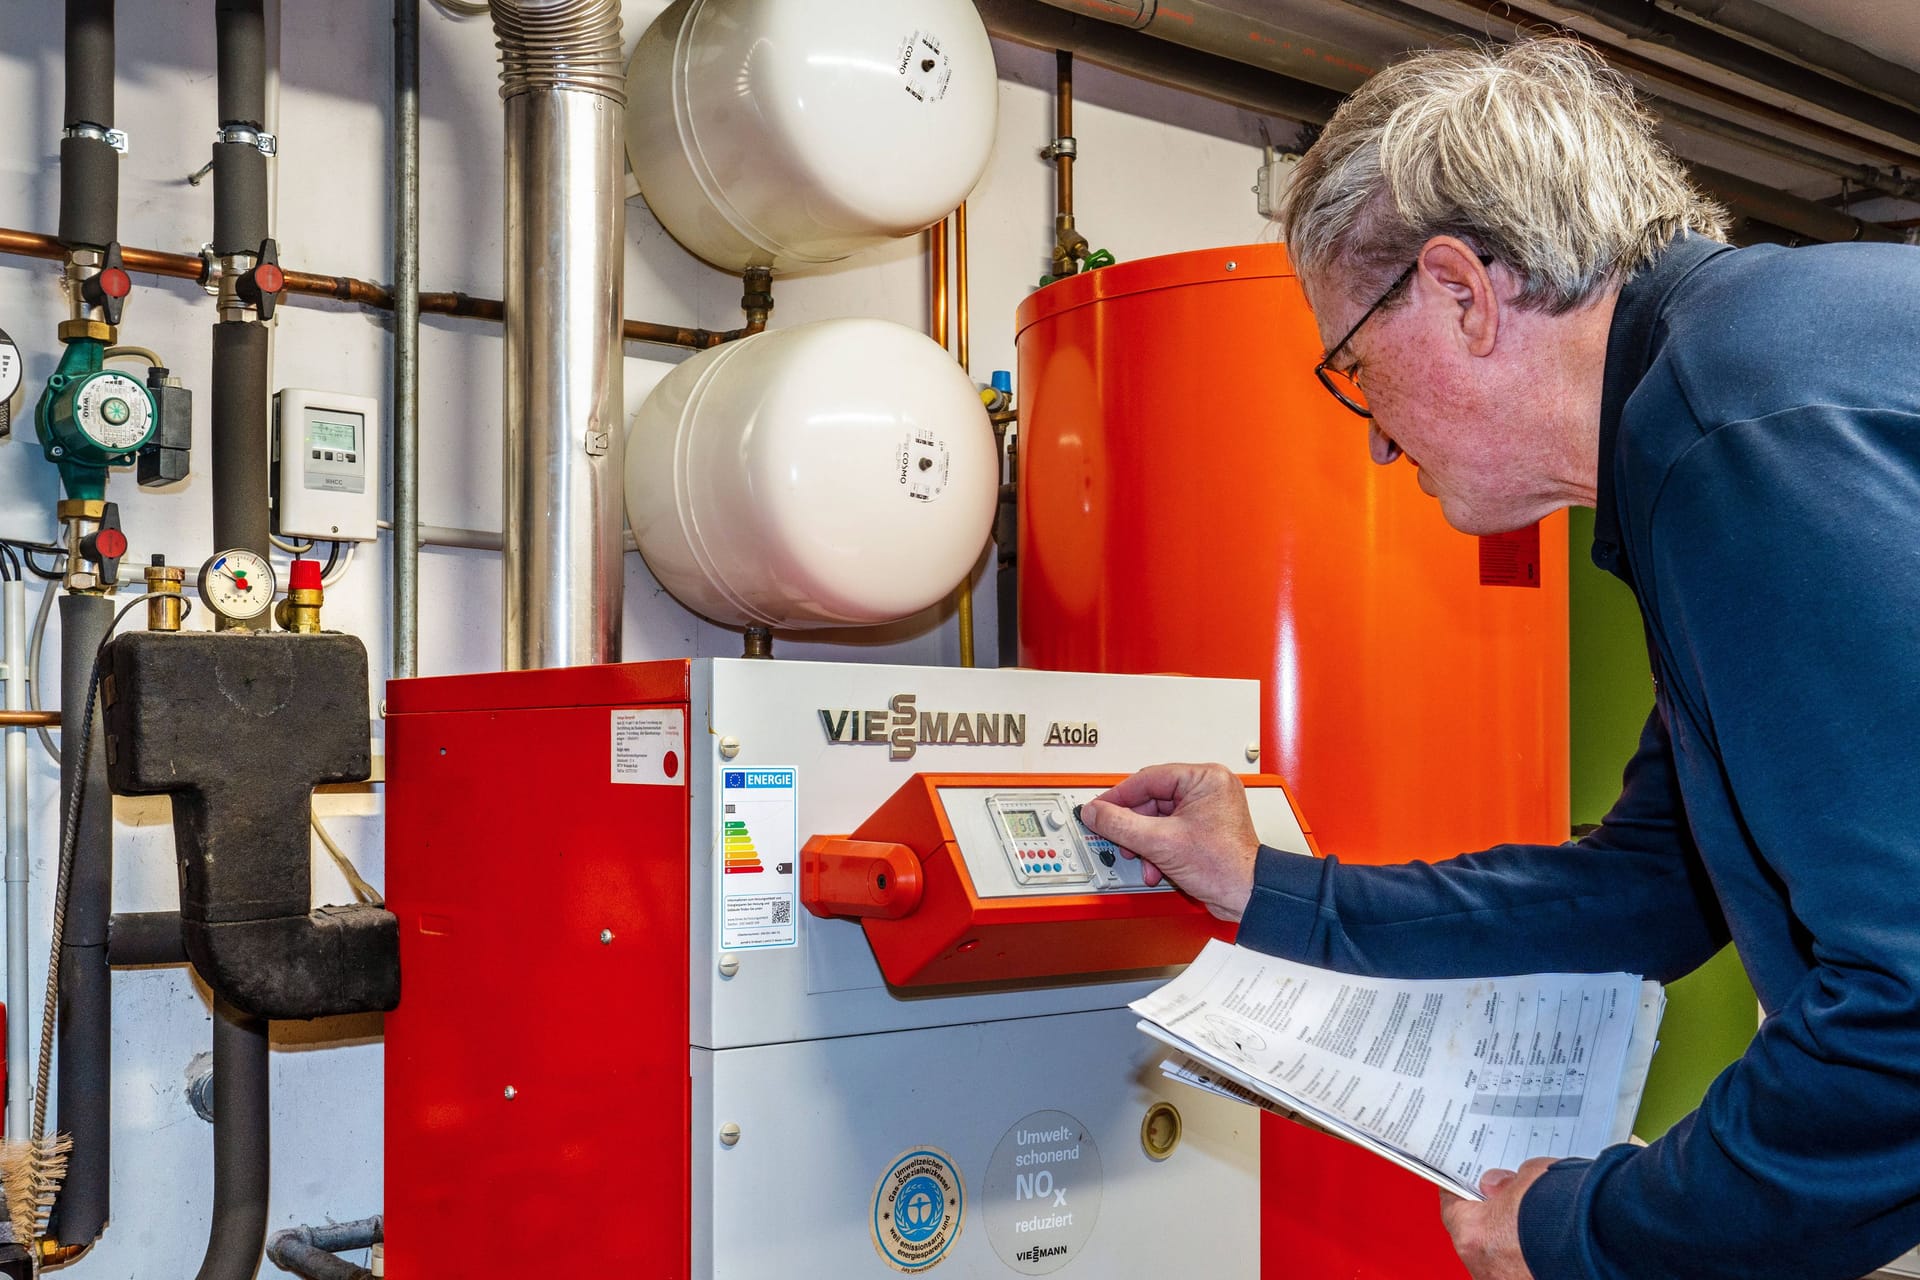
(1537, 154)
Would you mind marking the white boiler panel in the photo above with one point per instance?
(840, 473)
(776, 133)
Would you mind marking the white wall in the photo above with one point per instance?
(1160, 172)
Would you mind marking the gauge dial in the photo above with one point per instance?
(238, 584)
(9, 367)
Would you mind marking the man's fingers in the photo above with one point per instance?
(1122, 826)
(1150, 875)
(1153, 783)
(1493, 1179)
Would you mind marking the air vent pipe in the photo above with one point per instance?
(564, 88)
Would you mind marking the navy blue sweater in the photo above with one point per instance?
(1759, 489)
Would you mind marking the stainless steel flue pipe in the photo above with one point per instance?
(565, 95)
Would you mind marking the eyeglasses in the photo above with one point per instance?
(1342, 386)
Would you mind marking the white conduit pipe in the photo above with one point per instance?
(13, 602)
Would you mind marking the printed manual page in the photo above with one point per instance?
(1447, 1077)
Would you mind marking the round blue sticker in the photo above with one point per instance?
(918, 1206)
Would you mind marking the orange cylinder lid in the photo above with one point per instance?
(1171, 271)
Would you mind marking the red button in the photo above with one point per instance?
(269, 278)
(110, 543)
(115, 283)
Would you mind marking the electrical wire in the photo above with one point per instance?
(290, 548)
(69, 836)
(333, 558)
(362, 891)
(33, 669)
(138, 353)
(346, 562)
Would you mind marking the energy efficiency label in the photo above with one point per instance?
(758, 858)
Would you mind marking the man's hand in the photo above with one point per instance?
(1188, 823)
(1486, 1233)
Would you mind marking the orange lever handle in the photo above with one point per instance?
(844, 877)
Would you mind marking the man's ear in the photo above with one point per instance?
(1451, 273)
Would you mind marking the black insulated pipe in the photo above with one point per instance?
(309, 1251)
(241, 458)
(85, 1029)
(241, 1146)
(145, 937)
(240, 168)
(89, 168)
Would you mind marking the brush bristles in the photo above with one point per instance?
(30, 1176)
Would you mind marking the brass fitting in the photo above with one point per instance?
(300, 611)
(98, 330)
(164, 603)
(54, 1254)
(77, 516)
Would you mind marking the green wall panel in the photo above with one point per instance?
(1712, 1013)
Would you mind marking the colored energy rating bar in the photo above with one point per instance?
(740, 854)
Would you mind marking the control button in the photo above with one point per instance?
(349, 457)
(1106, 856)
(1054, 819)
(329, 455)
(316, 455)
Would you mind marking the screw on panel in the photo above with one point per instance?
(510, 1093)
(1253, 751)
(606, 937)
(729, 1134)
(729, 965)
(729, 748)
(1233, 266)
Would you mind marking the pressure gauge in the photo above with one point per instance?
(238, 584)
(10, 368)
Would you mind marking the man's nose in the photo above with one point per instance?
(1381, 445)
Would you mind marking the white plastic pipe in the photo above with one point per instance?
(13, 595)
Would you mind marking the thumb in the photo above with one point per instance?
(1124, 827)
(1493, 1179)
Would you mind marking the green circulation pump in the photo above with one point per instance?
(90, 418)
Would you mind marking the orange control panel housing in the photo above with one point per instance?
(902, 875)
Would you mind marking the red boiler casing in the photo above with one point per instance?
(1192, 500)
(511, 856)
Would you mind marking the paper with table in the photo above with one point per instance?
(1446, 1077)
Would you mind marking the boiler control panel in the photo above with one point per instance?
(1046, 846)
(982, 878)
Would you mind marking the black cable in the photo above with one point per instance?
(64, 883)
(50, 575)
(9, 564)
(333, 558)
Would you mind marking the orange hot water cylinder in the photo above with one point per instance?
(1192, 500)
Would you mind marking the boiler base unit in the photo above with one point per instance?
(631, 1042)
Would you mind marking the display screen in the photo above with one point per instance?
(323, 434)
(1022, 824)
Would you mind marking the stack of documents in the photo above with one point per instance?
(1447, 1077)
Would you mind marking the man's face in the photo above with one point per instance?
(1434, 381)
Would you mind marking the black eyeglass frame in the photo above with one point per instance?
(1320, 370)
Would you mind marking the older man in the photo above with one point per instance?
(1523, 296)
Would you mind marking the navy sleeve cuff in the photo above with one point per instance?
(1553, 1234)
(1282, 913)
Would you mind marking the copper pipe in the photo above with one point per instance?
(963, 594)
(1063, 128)
(937, 257)
(364, 293)
(29, 719)
(960, 283)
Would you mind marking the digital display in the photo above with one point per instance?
(1022, 824)
(324, 434)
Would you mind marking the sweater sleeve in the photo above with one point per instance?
(1786, 574)
(1631, 897)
